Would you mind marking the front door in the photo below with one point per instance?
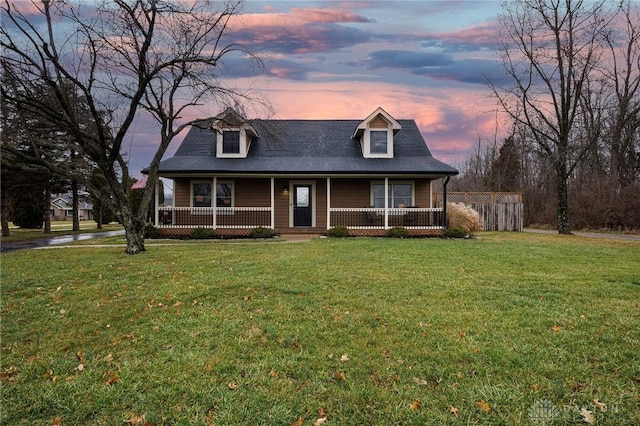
(302, 213)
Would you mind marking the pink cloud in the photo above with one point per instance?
(298, 16)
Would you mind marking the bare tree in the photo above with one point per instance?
(621, 76)
(120, 58)
(550, 50)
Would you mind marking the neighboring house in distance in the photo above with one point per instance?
(62, 208)
(303, 176)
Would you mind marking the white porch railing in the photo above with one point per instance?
(220, 217)
(376, 218)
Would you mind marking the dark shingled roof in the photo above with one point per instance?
(305, 147)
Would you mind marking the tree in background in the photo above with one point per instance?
(155, 57)
(505, 172)
(551, 49)
(28, 208)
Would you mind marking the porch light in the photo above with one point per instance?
(285, 188)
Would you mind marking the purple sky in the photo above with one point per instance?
(426, 60)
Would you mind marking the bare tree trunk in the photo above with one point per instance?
(47, 207)
(99, 217)
(563, 206)
(4, 207)
(76, 204)
(134, 232)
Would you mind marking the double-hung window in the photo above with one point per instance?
(231, 142)
(378, 142)
(224, 194)
(202, 196)
(400, 194)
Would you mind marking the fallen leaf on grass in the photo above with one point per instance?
(600, 405)
(232, 386)
(298, 422)
(341, 376)
(453, 410)
(344, 358)
(57, 421)
(112, 379)
(420, 382)
(8, 375)
(273, 373)
(555, 327)
(136, 419)
(484, 406)
(80, 367)
(109, 358)
(587, 416)
(578, 386)
(319, 421)
(415, 405)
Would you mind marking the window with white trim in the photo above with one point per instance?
(400, 194)
(378, 143)
(201, 193)
(224, 194)
(231, 142)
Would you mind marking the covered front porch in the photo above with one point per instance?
(364, 205)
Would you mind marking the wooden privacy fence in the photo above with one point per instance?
(499, 211)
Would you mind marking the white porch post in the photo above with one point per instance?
(273, 205)
(386, 203)
(328, 203)
(214, 195)
(156, 202)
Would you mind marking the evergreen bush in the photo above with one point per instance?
(456, 232)
(261, 232)
(338, 232)
(398, 232)
(151, 231)
(201, 233)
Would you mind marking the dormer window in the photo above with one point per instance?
(233, 135)
(231, 141)
(375, 134)
(378, 143)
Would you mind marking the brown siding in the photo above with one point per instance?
(281, 203)
(422, 189)
(346, 193)
(321, 203)
(252, 192)
(182, 192)
(378, 123)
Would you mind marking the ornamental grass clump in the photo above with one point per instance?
(462, 216)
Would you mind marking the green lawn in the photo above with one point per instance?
(506, 329)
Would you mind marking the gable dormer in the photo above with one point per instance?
(375, 134)
(233, 134)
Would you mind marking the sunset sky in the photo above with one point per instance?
(426, 60)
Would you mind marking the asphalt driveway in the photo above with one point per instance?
(64, 239)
